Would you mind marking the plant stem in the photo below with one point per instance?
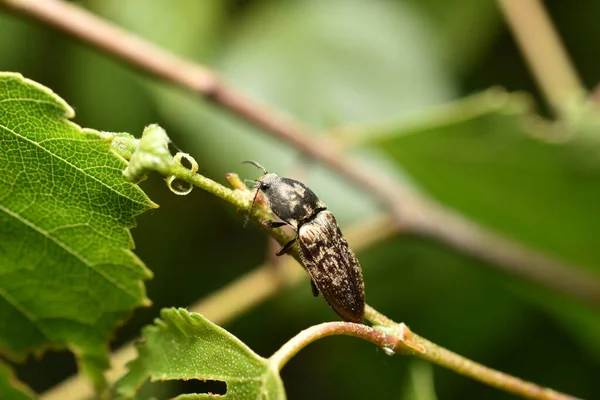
(376, 318)
(407, 342)
(504, 253)
(544, 52)
(151, 154)
(227, 303)
(316, 332)
(459, 364)
(232, 300)
(411, 211)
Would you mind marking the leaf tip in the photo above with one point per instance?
(67, 111)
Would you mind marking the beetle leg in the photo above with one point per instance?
(273, 224)
(315, 291)
(285, 247)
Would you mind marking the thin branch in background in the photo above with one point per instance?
(411, 211)
(544, 52)
(596, 95)
(508, 256)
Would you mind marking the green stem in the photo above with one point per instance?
(307, 336)
(404, 341)
(237, 198)
(544, 53)
(461, 365)
(151, 154)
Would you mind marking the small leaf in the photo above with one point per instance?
(11, 388)
(186, 345)
(67, 276)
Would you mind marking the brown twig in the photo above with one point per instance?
(544, 52)
(506, 255)
(411, 211)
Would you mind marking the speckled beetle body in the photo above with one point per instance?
(333, 268)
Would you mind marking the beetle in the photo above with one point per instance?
(333, 268)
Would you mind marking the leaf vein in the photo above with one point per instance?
(26, 313)
(112, 189)
(68, 249)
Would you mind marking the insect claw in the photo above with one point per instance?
(313, 286)
(273, 224)
(285, 248)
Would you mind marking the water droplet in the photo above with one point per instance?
(388, 351)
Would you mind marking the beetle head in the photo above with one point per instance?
(263, 183)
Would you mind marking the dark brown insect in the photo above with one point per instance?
(333, 268)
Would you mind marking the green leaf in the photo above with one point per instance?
(67, 275)
(11, 388)
(186, 345)
(479, 157)
(372, 61)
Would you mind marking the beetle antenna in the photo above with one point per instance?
(251, 207)
(257, 165)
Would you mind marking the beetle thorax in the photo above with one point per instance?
(290, 200)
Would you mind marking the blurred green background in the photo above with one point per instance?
(330, 64)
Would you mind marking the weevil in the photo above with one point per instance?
(333, 268)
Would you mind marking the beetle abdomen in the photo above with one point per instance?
(332, 266)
